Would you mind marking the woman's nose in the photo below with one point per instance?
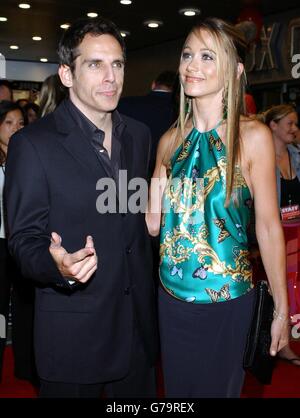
(193, 65)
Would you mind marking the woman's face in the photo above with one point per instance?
(12, 123)
(286, 128)
(198, 66)
(31, 115)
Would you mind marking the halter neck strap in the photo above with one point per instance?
(212, 129)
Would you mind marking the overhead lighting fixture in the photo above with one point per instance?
(190, 12)
(126, 2)
(24, 6)
(44, 59)
(92, 14)
(153, 23)
(3, 19)
(36, 38)
(14, 47)
(65, 25)
(124, 33)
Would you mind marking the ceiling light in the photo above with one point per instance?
(3, 19)
(36, 38)
(190, 12)
(125, 2)
(92, 14)
(44, 59)
(14, 47)
(124, 33)
(153, 23)
(24, 6)
(65, 25)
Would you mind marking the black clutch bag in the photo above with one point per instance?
(257, 358)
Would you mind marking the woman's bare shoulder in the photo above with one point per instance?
(254, 133)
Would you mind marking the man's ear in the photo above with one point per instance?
(66, 76)
(240, 69)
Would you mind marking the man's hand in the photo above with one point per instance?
(78, 266)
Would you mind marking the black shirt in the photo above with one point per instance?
(96, 138)
(290, 192)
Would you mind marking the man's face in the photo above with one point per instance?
(97, 81)
(5, 93)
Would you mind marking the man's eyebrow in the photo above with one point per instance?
(96, 60)
(92, 60)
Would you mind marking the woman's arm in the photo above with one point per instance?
(157, 186)
(261, 156)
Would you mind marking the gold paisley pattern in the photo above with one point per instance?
(185, 151)
(198, 232)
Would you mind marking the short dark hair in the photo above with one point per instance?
(6, 83)
(7, 106)
(166, 78)
(72, 38)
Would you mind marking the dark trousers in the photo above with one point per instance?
(138, 383)
(20, 291)
(202, 346)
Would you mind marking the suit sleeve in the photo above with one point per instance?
(149, 139)
(27, 207)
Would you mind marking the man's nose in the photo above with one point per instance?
(109, 74)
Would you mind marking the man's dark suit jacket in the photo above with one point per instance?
(156, 110)
(83, 334)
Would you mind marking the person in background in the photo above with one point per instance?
(283, 122)
(95, 316)
(22, 102)
(6, 92)
(250, 104)
(31, 112)
(51, 95)
(11, 282)
(207, 172)
(155, 109)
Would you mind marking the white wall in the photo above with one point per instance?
(29, 71)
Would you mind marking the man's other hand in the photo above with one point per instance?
(78, 266)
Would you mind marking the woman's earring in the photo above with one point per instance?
(225, 102)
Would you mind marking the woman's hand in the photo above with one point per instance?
(279, 333)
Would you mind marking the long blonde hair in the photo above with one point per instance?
(230, 48)
(51, 94)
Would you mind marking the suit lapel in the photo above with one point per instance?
(76, 143)
(127, 153)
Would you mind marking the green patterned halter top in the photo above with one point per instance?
(204, 255)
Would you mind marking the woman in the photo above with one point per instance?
(31, 112)
(283, 121)
(11, 120)
(51, 95)
(206, 297)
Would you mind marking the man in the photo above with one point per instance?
(156, 109)
(95, 311)
(6, 92)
